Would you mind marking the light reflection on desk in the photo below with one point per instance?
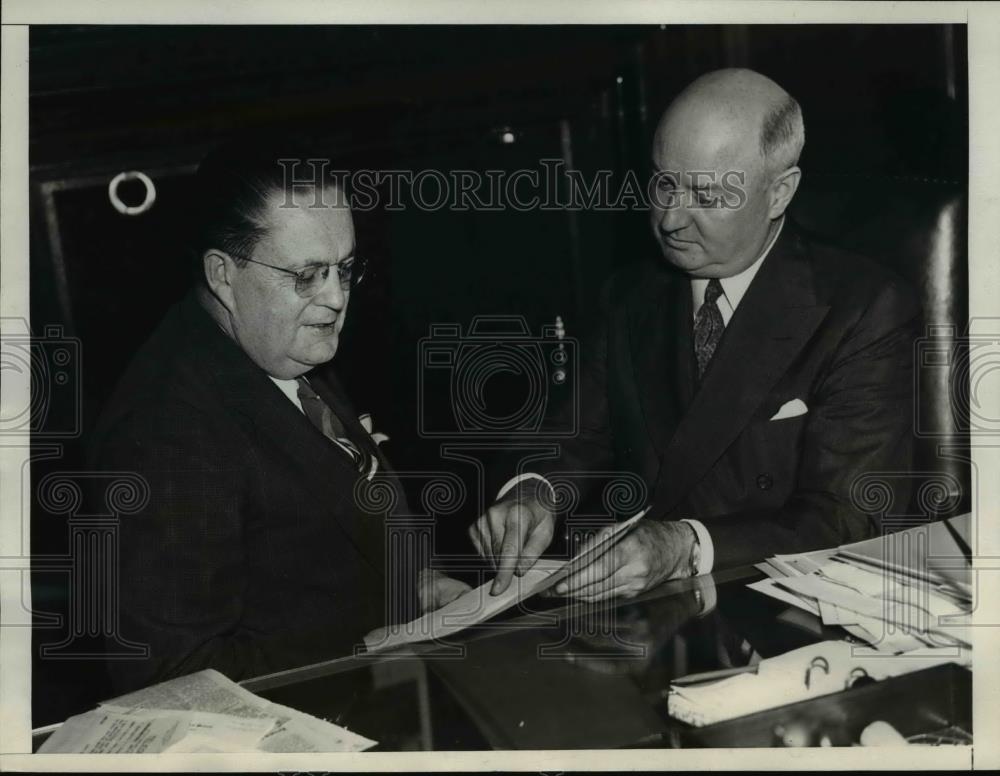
(550, 674)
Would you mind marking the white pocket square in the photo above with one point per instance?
(791, 409)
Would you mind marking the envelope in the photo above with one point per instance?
(791, 409)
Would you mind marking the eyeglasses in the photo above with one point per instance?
(309, 281)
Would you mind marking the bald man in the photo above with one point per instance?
(750, 379)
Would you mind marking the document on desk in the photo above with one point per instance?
(200, 712)
(478, 605)
(781, 680)
(209, 690)
(897, 592)
(934, 553)
(106, 731)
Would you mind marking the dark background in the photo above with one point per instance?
(886, 153)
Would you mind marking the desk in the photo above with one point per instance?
(558, 675)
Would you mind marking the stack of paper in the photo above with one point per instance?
(891, 592)
(782, 680)
(201, 712)
(479, 605)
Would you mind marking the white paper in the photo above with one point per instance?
(781, 680)
(806, 562)
(833, 615)
(210, 691)
(206, 690)
(478, 605)
(771, 588)
(298, 732)
(932, 544)
(887, 606)
(208, 732)
(105, 731)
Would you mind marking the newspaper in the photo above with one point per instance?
(200, 712)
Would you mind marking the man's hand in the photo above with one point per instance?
(653, 552)
(436, 589)
(512, 534)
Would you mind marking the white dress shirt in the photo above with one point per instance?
(733, 290)
(291, 389)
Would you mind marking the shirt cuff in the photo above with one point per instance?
(707, 548)
(706, 592)
(514, 481)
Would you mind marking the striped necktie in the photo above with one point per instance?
(323, 418)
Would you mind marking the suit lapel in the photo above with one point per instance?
(770, 327)
(659, 338)
(327, 472)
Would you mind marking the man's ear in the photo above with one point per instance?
(783, 188)
(219, 268)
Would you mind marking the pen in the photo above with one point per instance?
(962, 544)
(708, 676)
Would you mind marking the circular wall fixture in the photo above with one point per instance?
(132, 210)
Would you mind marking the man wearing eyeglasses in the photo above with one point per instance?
(261, 547)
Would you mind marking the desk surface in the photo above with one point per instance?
(551, 674)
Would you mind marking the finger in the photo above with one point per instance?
(594, 572)
(620, 584)
(510, 551)
(605, 594)
(597, 537)
(452, 590)
(425, 592)
(538, 540)
(625, 570)
(497, 518)
(601, 589)
(476, 536)
(484, 528)
(593, 539)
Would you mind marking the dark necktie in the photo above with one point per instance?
(708, 326)
(323, 418)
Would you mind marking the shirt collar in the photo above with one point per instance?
(288, 387)
(735, 287)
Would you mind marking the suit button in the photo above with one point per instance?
(764, 482)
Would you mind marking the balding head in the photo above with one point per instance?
(723, 105)
(745, 133)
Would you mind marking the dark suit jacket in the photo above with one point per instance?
(817, 324)
(253, 554)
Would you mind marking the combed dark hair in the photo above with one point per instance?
(232, 188)
(782, 135)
